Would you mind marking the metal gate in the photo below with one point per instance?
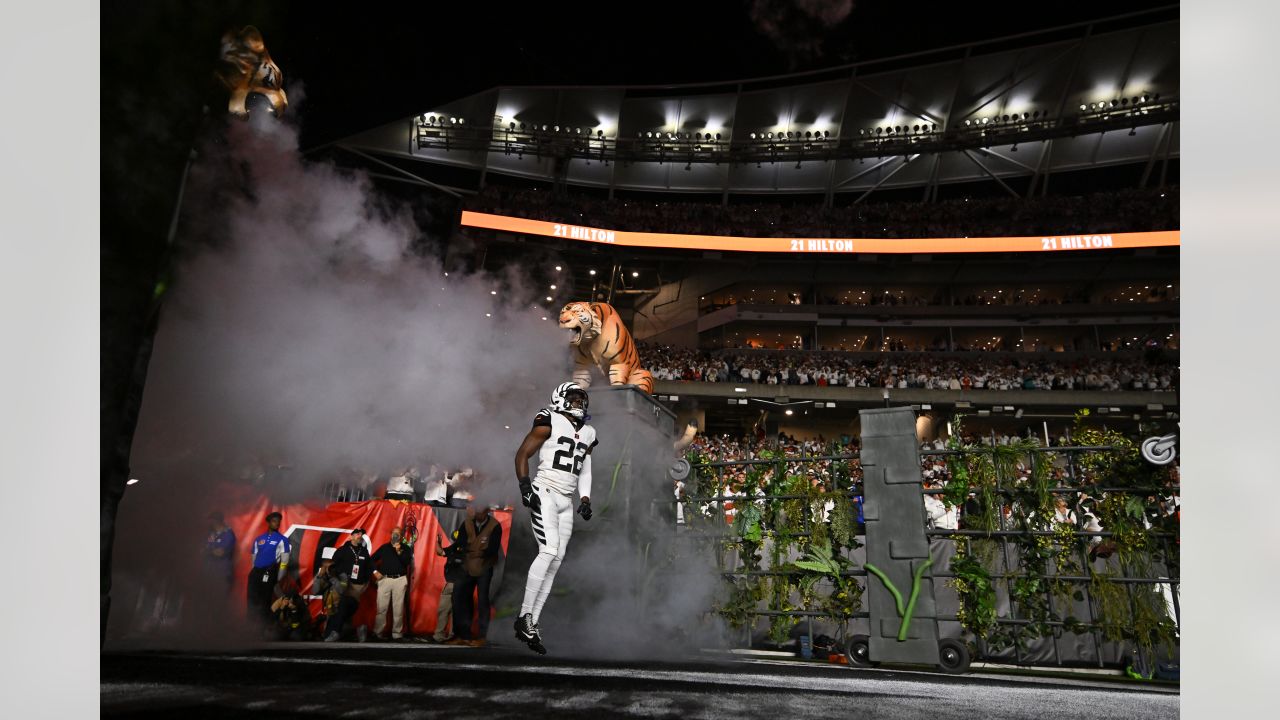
(1024, 579)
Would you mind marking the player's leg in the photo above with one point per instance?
(546, 531)
(564, 522)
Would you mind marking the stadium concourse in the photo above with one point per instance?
(505, 681)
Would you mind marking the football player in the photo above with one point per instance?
(562, 442)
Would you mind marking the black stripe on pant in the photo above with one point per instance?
(538, 532)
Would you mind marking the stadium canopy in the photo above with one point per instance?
(1079, 97)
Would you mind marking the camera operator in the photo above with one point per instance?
(292, 618)
(353, 567)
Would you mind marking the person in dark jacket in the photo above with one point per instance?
(480, 541)
(352, 566)
(453, 572)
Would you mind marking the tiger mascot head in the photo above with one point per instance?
(582, 320)
(246, 69)
(600, 339)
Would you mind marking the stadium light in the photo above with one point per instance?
(591, 272)
(635, 274)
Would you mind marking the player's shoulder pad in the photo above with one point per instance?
(542, 418)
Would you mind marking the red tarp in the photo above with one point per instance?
(310, 529)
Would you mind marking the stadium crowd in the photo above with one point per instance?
(732, 484)
(928, 372)
(1127, 210)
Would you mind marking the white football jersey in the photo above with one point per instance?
(561, 456)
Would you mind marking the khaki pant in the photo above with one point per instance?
(391, 592)
(444, 614)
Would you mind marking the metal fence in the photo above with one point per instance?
(1159, 569)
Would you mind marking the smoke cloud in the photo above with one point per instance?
(306, 338)
(303, 339)
(799, 27)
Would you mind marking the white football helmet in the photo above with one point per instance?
(560, 399)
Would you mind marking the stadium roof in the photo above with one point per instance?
(1078, 97)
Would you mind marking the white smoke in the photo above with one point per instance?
(305, 332)
(303, 336)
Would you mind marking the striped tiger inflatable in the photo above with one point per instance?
(600, 339)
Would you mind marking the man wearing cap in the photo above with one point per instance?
(270, 561)
(351, 565)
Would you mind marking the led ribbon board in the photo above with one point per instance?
(1052, 243)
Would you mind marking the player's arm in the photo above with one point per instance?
(584, 485)
(532, 443)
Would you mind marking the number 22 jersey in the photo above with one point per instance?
(560, 459)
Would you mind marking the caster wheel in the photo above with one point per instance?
(953, 656)
(858, 650)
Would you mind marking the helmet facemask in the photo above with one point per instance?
(577, 409)
(560, 400)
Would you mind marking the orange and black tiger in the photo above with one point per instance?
(600, 339)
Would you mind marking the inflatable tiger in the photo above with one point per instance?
(601, 339)
(247, 69)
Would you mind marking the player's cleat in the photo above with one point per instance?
(525, 630)
(527, 633)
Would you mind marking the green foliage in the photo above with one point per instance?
(745, 593)
(844, 522)
(977, 611)
(746, 522)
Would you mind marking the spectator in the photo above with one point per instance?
(394, 565)
(437, 487)
(453, 573)
(481, 544)
(352, 566)
(268, 567)
(219, 551)
(400, 485)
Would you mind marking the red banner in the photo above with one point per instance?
(310, 529)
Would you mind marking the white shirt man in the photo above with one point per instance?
(941, 515)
